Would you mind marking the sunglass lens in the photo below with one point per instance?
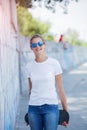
(40, 43)
(34, 45)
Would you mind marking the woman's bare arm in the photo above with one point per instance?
(61, 92)
(30, 85)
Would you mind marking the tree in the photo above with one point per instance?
(50, 4)
(48, 37)
(72, 37)
(28, 26)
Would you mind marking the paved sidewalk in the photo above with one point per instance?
(75, 85)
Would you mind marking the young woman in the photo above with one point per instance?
(45, 84)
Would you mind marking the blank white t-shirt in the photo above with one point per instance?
(42, 75)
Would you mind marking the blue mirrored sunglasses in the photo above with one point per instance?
(34, 45)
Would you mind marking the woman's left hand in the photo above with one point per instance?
(65, 124)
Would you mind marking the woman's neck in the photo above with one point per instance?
(41, 58)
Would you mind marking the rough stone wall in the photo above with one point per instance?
(9, 65)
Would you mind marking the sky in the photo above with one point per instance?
(76, 19)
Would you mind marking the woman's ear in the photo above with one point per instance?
(45, 43)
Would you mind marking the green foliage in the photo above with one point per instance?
(81, 43)
(50, 4)
(49, 37)
(25, 3)
(28, 25)
(73, 38)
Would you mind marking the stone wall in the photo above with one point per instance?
(9, 65)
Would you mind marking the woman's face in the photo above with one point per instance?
(38, 46)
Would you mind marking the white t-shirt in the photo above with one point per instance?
(42, 75)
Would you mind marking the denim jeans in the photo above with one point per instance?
(44, 117)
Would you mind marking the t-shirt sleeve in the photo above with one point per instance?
(58, 68)
(27, 71)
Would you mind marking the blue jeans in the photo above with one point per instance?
(44, 116)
